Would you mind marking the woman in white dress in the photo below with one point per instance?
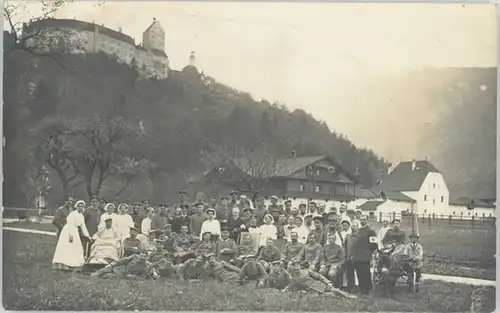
(301, 229)
(268, 230)
(211, 225)
(123, 221)
(69, 249)
(110, 213)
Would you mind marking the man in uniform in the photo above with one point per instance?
(292, 249)
(269, 253)
(260, 211)
(62, 213)
(288, 207)
(222, 270)
(132, 245)
(223, 211)
(333, 260)
(252, 270)
(394, 235)
(129, 267)
(226, 248)
(321, 235)
(302, 209)
(311, 253)
(192, 269)
(279, 278)
(274, 208)
(308, 280)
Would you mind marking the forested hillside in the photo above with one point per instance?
(160, 128)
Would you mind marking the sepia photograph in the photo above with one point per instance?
(249, 156)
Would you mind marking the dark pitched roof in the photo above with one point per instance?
(155, 21)
(465, 201)
(364, 193)
(80, 25)
(371, 205)
(404, 178)
(396, 196)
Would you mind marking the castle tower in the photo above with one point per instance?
(192, 59)
(153, 37)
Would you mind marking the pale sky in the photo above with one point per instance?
(309, 55)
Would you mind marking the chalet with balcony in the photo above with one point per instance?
(313, 177)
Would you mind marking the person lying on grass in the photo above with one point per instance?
(193, 269)
(129, 267)
(278, 277)
(252, 270)
(305, 279)
(222, 270)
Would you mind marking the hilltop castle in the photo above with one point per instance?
(79, 37)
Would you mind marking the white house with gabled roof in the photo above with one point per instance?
(422, 182)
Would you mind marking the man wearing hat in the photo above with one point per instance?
(269, 253)
(415, 254)
(235, 198)
(138, 214)
(312, 252)
(394, 235)
(302, 209)
(321, 235)
(292, 249)
(197, 219)
(278, 277)
(260, 211)
(222, 271)
(223, 210)
(159, 220)
(252, 270)
(192, 269)
(288, 206)
(131, 244)
(274, 208)
(303, 278)
(226, 247)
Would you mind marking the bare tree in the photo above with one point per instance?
(100, 144)
(249, 171)
(52, 145)
(130, 170)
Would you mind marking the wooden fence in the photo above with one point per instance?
(442, 220)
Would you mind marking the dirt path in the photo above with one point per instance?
(444, 278)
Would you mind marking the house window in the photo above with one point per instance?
(425, 211)
(318, 172)
(442, 199)
(490, 214)
(475, 214)
(433, 185)
(453, 212)
(317, 188)
(301, 187)
(433, 201)
(468, 213)
(425, 197)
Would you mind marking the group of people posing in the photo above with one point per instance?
(234, 241)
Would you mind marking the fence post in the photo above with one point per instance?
(429, 220)
(380, 216)
(449, 219)
(461, 215)
(393, 216)
(472, 221)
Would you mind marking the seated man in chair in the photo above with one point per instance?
(107, 245)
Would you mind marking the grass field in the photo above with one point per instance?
(29, 283)
(466, 252)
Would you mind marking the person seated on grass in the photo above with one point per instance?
(131, 244)
(252, 270)
(149, 245)
(246, 247)
(106, 245)
(311, 253)
(226, 248)
(278, 277)
(413, 267)
(193, 269)
(332, 262)
(222, 271)
(292, 249)
(305, 279)
(169, 238)
(269, 253)
(185, 244)
(206, 246)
